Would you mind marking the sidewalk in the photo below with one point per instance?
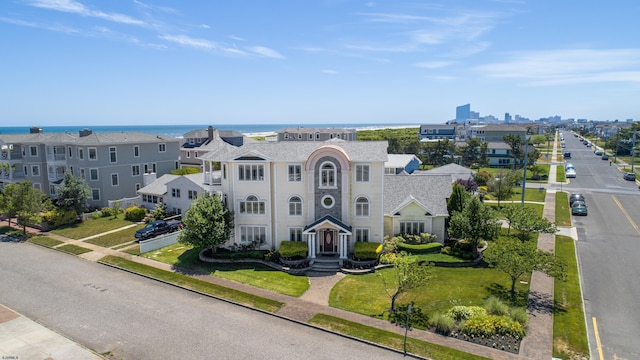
(536, 345)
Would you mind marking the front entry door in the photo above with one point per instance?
(329, 239)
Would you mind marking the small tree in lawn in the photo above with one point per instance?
(405, 276)
(457, 199)
(516, 258)
(208, 223)
(502, 185)
(477, 221)
(526, 221)
(74, 194)
(117, 207)
(25, 203)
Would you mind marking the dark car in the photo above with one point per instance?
(630, 176)
(579, 208)
(567, 155)
(598, 152)
(576, 197)
(156, 228)
(605, 157)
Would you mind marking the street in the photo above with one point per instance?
(126, 316)
(607, 249)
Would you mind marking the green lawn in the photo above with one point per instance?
(74, 249)
(253, 274)
(92, 227)
(116, 238)
(191, 283)
(365, 294)
(563, 213)
(569, 329)
(539, 207)
(45, 241)
(560, 175)
(436, 257)
(392, 340)
(529, 194)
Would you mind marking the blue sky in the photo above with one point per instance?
(67, 62)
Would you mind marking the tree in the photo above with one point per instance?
(502, 185)
(74, 194)
(25, 203)
(477, 221)
(526, 221)
(457, 199)
(208, 223)
(406, 276)
(516, 258)
(515, 143)
(474, 152)
(117, 207)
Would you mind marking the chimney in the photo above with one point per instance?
(85, 132)
(210, 132)
(35, 130)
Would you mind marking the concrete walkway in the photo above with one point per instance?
(536, 345)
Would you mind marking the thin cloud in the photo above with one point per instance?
(545, 68)
(55, 27)
(433, 64)
(191, 42)
(329, 71)
(265, 52)
(74, 7)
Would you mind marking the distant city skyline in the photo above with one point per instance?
(75, 62)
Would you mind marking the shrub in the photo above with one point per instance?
(482, 177)
(490, 325)
(237, 255)
(460, 312)
(520, 315)
(107, 211)
(446, 250)
(272, 256)
(134, 213)
(442, 323)
(293, 249)
(495, 306)
(366, 250)
(421, 248)
(58, 217)
(463, 246)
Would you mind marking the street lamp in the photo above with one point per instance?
(524, 177)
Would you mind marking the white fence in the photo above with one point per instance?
(126, 202)
(158, 242)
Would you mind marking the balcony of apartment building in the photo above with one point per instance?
(55, 173)
(56, 154)
(10, 172)
(10, 153)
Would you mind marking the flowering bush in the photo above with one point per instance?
(490, 325)
(465, 312)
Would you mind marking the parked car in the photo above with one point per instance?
(576, 197)
(156, 228)
(579, 208)
(630, 176)
(567, 155)
(605, 157)
(598, 152)
(571, 173)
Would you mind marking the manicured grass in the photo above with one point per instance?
(560, 175)
(539, 207)
(253, 274)
(563, 213)
(529, 194)
(74, 249)
(92, 227)
(116, 238)
(45, 241)
(569, 329)
(365, 294)
(133, 251)
(437, 257)
(124, 245)
(195, 284)
(389, 339)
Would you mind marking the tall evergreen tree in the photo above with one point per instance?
(74, 194)
(208, 223)
(477, 221)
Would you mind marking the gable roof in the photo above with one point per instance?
(429, 191)
(400, 160)
(158, 186)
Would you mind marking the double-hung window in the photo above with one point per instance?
(412, 227)
(248, 172)
(252, 205)
(295, 173)
(362, 173)
(362, 206)
(295, 206)
(327, 175)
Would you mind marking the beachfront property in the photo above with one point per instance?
(316, 134)
(198, 142)
(328, 194)
(434, 132)
(112, 164)
(175, 192)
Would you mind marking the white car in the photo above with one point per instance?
(570, 173)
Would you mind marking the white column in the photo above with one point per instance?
(343, 246)
(312, 246)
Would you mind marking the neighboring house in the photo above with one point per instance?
(455, 171)
(493, 132)
(499, 154)
(439, 132)
(328, 194)
(176, 192)
(198, 142)
(316, 134)
(398, 163)
(112, 164)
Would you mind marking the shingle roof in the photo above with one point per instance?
(158, 186)
(92, 139)
(358, 151)
(431, 191)
(399, 160)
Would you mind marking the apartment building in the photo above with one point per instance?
(112, 164)
(316, 134)
(199, 142)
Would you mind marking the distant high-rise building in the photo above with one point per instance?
(463, 112)
(507, 118)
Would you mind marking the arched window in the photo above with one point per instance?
(362, 206)
(327, 175)
(251, 205)
(295, 206)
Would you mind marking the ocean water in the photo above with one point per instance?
(180, 130)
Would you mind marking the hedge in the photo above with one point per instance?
(59, 217)
(429, 248)
(366, 250)
(293, 249)
(134, 213)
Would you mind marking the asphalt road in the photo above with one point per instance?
(130, 317)
(608, 249)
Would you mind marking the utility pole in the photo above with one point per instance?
(633, 152)
(524, 177)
